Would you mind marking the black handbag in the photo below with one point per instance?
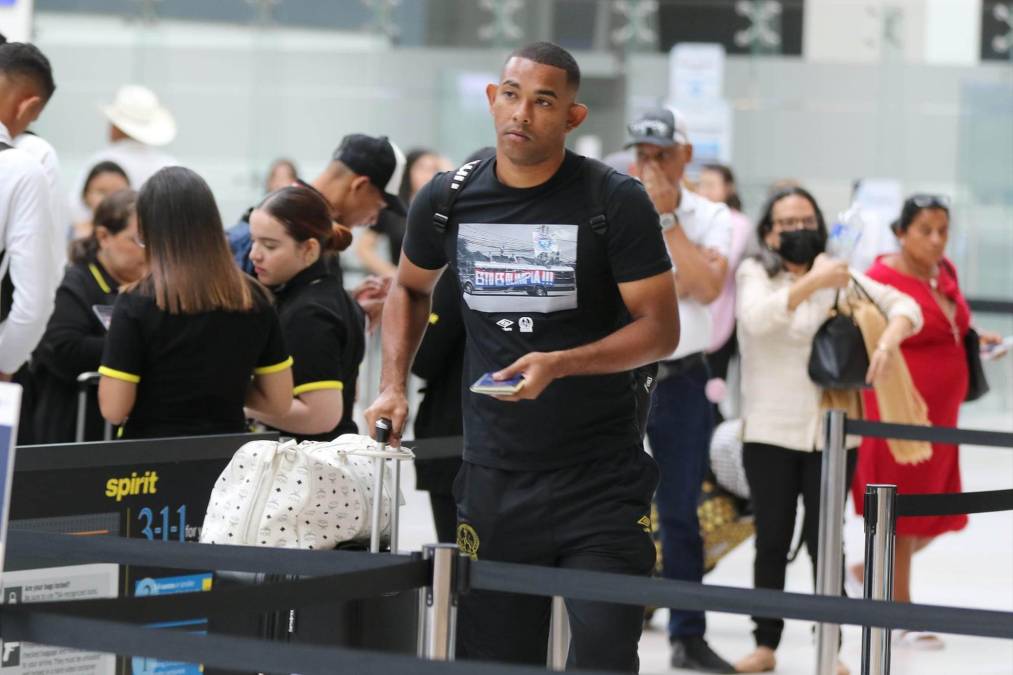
(839, 359)
(977, 385)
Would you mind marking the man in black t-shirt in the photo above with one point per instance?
(555, 474)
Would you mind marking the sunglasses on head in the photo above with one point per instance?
(650, 128)
(930, 201)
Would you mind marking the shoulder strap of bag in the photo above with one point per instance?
(596, 177)
(448, 189)
(863, 292)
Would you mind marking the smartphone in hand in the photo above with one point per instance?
(487, 385)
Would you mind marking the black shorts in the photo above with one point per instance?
(593, 516)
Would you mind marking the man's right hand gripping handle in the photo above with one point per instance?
(392, 404)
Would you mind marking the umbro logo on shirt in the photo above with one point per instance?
(505, 324)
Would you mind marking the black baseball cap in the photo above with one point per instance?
(662, 127)
(377, 158)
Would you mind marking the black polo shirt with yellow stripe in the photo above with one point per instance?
(192, 370)
(325, 332)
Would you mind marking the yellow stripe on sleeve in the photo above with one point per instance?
(119, 375)
(276, 368)
(317, 386)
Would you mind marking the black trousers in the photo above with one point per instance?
(777, 476)
(591, 516)
(444, 517)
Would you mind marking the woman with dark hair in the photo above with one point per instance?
(938, 365)
(109, 258)
(324, 328)
(187, 337)
(421, 164)
(104, 179)
(281, 173)
(717, 183)
(785, 293)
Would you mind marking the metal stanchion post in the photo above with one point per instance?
(82, 403)
(395, 512)
(559, 635)
(84, 383)
(382, 433)
(880, 528)
(830, 557)
(438, 633)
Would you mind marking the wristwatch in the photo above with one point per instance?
(668, 221)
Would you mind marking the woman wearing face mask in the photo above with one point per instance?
(785, 293)
(938, 366)
(323, 327)
(72, 344)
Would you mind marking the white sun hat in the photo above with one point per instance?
(139, 114)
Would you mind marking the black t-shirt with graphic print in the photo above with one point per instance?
(536, 278)
(192, 370)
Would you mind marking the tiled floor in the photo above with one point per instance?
(972, 568)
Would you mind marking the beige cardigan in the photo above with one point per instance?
(781, 405)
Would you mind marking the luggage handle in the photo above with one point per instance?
(382, 434)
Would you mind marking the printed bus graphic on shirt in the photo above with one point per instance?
(518, 268)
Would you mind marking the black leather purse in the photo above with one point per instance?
(839, 359)
(977, 385)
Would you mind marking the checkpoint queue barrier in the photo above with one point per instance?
(110, 624)
(341, 576)
(882, 507)
(159, 489)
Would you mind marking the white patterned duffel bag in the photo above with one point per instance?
(307, 495)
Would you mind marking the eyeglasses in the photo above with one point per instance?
(650, 128)
(930, 201)
(788, 224)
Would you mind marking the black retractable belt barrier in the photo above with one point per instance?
(998, 439)
(955, 503)
(443, 447)
(274, 596)
(990, 305)
(629, 590)
(21, 623)
(190, 556)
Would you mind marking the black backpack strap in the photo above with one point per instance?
(596, 177)
(446, 191)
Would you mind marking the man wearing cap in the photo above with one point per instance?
(562, 300)
(361, 179)
(698, 235)
(138, 126)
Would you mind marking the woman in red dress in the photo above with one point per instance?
(935, 356)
